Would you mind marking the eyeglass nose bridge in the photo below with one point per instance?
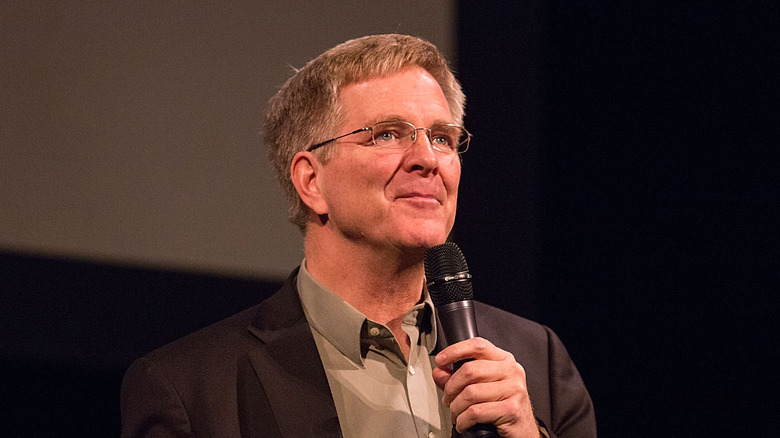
(427, 134)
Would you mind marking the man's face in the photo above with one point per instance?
(392, 198)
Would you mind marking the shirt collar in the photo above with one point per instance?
(345, 327)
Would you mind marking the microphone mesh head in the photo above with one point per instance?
(442, 261)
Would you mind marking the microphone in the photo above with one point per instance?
(449, 283)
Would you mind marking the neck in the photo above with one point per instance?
(381, 283)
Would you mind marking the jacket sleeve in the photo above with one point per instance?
(572, 409)
(150, 405)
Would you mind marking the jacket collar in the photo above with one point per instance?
(289, 367)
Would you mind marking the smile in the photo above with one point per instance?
(420, 198)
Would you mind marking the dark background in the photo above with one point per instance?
(621, 180)
(619, 190)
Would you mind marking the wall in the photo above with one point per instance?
(131, 131)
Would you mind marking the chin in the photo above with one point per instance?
(426, 240)
(423, 233)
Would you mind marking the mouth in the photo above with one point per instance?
(421, 198)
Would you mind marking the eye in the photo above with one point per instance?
(386, 135)
(442, 140)
(446, 136)
(391, 134)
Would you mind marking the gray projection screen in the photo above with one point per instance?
(130, 131)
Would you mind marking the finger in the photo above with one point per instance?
(474, 414)
(474, 348)
(512, 417)
(487, 394)
(441, 375)
(475, 372)
(510, 409)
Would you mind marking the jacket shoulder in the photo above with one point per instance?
(557, 391)
(506, 329)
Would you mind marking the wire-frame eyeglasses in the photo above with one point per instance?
(398, 134)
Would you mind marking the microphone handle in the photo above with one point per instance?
(481, 430)
(459, 323)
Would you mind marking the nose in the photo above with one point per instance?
(425, 130)
(421, 157)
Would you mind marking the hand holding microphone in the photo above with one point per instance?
(485, 389)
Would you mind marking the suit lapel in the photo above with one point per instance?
(289, 368)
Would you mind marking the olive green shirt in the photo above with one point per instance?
(377, 392)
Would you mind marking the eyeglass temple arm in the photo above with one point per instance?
(315, 146)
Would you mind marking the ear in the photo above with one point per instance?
(305, 172)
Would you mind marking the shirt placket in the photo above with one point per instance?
(419, 383)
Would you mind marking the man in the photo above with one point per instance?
(366, 140)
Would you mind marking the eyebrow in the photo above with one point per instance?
(387, 118)
(398, 118)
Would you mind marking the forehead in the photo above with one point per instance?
(411, 93)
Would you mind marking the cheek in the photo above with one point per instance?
(451, 178)
(358, 184)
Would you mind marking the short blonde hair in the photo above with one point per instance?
(306, 109)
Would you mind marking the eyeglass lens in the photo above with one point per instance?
(399, 134)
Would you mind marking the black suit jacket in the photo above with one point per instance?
(258, 374)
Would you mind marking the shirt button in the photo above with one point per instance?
(373, 331)
(431, 435)
(411, 370)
